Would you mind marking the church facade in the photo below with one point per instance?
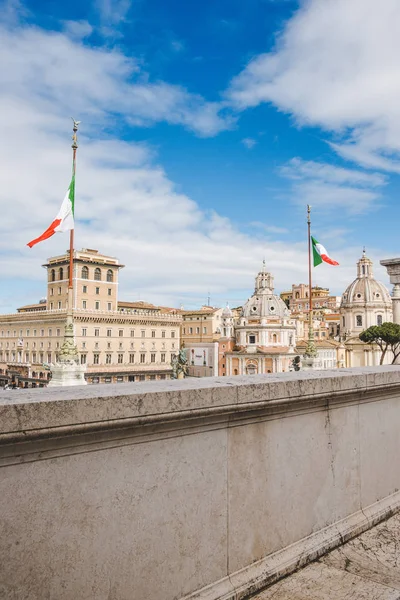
(365, 302)
(262, 338)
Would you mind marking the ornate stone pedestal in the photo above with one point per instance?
(64, 374)
(67, 370)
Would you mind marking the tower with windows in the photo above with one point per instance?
(95, 279)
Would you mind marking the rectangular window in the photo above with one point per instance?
(83, 303)
(50, 332)
(152, 357)
(96, 345)
(51, 291)
(109, 306)
(108, 332)
(27, 332)
(142, 377)
(109, 291)
(108, 359)
(120, 359)
(84, 331)
(152, 377)
(49, 357)
(131, 358)
(96, 332)
(163, 334)
(132, 333)
(162, 376)
(96, 359)
(42, 332)
(84, 289)
(51, 306)
(172, 334)
(84, 345)
(83, 359)
(153, 334)
(108, 345)
(142, 358)
(42, 357)
(97, 305)
(359, 320)
(59, 291)
(184, 331)
(121, 333)
(131, 378)
(121, 345)
(59, 305)
(97, 291)
(163, 357)
(197, 331)
(143, 334)
(204, 329)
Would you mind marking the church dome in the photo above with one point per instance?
(264, 303)
(226, 313)
(365, 290)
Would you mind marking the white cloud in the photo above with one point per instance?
(298, 169)
(330, 188)
(249, 143)
(78, 29)
(335, 65)
(113, 12)
(95, 83)
(126, 205)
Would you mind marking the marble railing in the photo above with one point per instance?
(206, 489)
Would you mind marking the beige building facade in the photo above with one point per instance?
(117, 342)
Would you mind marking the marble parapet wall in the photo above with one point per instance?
(204, 489)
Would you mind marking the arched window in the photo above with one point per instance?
(363, 269)
(297, 295)
(97, 274)
(110, 275)
(53, 275)
(379, 319)
(60, 274)
(274, 338)
(344, 321)
(85, 273)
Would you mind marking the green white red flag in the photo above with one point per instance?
(320, 254)
(64, 221)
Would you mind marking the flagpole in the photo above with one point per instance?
(311, 351)
(71, 233)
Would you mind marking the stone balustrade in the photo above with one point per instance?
(197, 489)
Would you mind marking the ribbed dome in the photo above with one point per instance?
(226, 313)
(365, 289)
(264, 303)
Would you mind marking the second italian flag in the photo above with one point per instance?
(64, 221)
(321, 255)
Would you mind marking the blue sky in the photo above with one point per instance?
(206, 128)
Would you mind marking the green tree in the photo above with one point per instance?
(386, 336)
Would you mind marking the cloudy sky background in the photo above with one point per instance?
(206, 129)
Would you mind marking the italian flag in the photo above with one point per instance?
(64, 221)
(320, 254)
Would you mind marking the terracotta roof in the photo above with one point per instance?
(138, 304)
(38, 306)
(319, 343)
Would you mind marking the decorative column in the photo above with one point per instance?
(393, 268)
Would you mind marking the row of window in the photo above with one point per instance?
(109, 346)
(97, 275)
(34, 357)
(121, 378)
(191, 329)
(26, 345)
(121, 360)
(28, 333)
(359, 320)
(84, 291)
(121, 332)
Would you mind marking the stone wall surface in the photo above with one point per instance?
(199, 488)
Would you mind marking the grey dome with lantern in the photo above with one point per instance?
(264, 303)
(365, 290)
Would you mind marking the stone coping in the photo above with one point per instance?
(23, 412)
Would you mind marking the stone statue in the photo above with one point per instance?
(179, 365)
